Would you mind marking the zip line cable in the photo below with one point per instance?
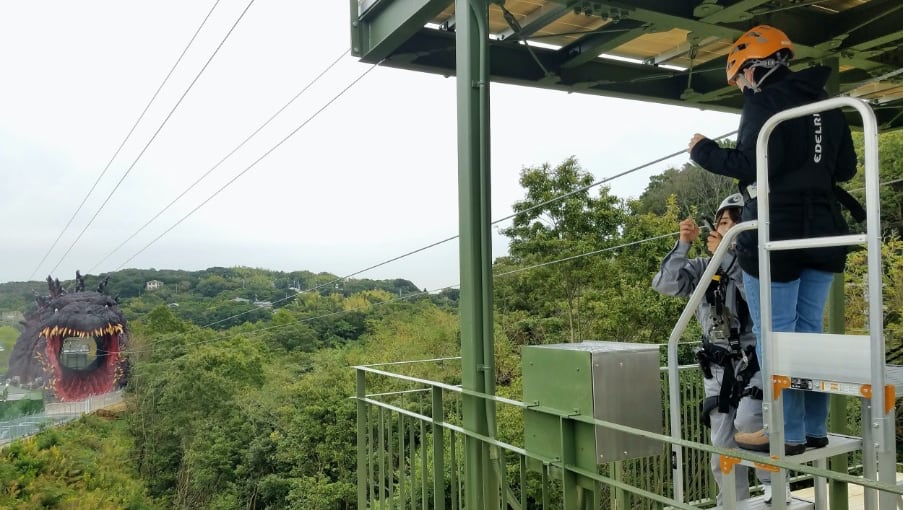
(253, 164)
(451, 238)
(154, 136)
(227, 156)
(249, 167)
(604, 180)
(341, 278)
(515, 271)
(581, 255)
(403, 298)
(122, 144)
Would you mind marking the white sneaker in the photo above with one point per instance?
(767, 491)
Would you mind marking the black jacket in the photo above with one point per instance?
(807, 156)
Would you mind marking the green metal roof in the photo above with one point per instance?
(667, 51)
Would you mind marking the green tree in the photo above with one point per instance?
(558, 221)
(213, 285)
(697, 191)
(890, 170)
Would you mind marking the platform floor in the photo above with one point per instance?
(855, 495)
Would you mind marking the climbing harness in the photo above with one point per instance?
(738, 364)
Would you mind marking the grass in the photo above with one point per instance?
(8, 336)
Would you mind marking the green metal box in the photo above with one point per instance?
(611, 381)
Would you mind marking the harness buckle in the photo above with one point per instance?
(749, 191)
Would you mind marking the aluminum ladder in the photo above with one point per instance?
(843, 364)
(851, 365)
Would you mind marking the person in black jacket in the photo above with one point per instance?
(807, 156)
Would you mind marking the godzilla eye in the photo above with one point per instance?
(55, 310)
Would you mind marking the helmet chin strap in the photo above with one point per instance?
(771, 63)
(745, 83)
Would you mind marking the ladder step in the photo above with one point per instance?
(838, 444)
(894, 375)
(759, 503)
(822, 356)
(829, 363)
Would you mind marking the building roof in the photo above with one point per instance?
(667, 51)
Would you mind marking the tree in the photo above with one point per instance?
(698, 192)
(890, 191)
(213, 285)
(559, 221)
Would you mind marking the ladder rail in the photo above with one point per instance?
(880, 424)
(873, 236)
(882, 438)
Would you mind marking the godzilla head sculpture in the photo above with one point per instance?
(65, 319)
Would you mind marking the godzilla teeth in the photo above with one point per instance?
(109, 329)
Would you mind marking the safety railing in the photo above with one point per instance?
(54, 414)
(410, 448)
(401, 464)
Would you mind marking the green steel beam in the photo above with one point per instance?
(392, 32)
(838, 493)
(385, 25)
(537, 20)
(739, 11)
(439, 477)
(589, 48)
(475, 304)
(363, 434)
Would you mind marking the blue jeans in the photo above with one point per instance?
(797, 306)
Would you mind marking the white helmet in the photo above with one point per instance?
(735, 201)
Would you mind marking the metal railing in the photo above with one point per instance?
(54, 414)
(410, 449)
(410, 444)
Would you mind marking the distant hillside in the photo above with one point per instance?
(203, 297)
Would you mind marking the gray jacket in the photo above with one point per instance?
(678, 276)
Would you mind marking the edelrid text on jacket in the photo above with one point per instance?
(807, 157)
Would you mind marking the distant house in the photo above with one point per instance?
(153, 285)
(240, 300)
(263, 304)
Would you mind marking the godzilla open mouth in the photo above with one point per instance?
(77, 381)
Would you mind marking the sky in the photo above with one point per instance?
(370, 177)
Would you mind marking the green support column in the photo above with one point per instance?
(475, 305)
(363, 435)
(838, 493)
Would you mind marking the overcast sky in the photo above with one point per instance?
(370, 178)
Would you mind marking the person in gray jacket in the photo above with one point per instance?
(727, 356)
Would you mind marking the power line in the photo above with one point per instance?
(605, 180)
(339, 279)
(395, 299)
(124, 140)
(519, 270)
(249, 167)
(371, 68)
(154, 136)
(451, 238)
(227, 156)
(581, 255)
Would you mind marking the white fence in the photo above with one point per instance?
(81, 407)
(54, 414)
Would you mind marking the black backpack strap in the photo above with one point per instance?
(850, 203)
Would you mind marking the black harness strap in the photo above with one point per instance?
(850, 203)
(734, 385)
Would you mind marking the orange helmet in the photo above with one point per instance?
(758, 43)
